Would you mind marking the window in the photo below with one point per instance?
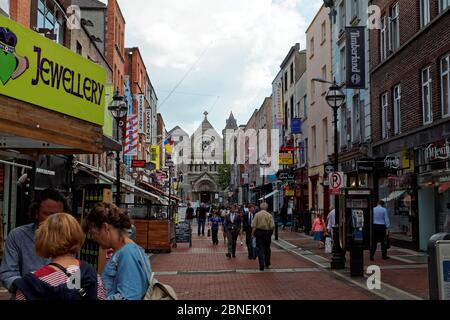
(311, 47)
(324, 77)
(426, 96)
(313, 91)
(4, 5)
(292, 106)
(325, 138)
(50, 17)
(395, 28)
(285, 81)
(79, 49)
(305, 106)
(286, 116)
(342, 60)
(424, 12)
(383, 39)
(306, 150)
(356, 118)
(397, 110)
(323, 32)
(384, 117)
(342, 16)
(443, 4)
(445, 85)
(292, 73)
(355, 8)
(314, 138)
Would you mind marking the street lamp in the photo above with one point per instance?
(335, 99)
(169, 163)
(118, 109)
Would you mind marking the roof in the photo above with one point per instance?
(89, 4)
(231, 122)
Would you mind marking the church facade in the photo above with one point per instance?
(197, 160)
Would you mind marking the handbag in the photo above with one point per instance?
(157, 290)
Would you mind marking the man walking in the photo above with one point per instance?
(247, 228)
(381, 225)
(262, 228)
(233, 227)
(189, 213)
(202, 213)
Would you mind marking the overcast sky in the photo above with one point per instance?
(222, 54)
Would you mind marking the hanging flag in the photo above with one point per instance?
(131, 136)
(168, 143)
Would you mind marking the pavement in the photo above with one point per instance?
(299, 271)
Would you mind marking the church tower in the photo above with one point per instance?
(231, 124)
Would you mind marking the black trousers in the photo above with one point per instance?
(379, 235)
(232, 238)
(263, 242)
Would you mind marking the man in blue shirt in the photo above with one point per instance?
(381, 225)
(20, 257)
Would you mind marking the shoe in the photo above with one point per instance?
(234, 256)
(228, 255)
(268, 266)
(386, 258)
(261, 269)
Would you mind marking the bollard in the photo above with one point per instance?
(433, 274)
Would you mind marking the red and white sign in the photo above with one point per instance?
(131, 136)
(336, 181)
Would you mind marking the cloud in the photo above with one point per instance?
(226, 49)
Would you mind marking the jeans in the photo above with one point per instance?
(201, 225)
(214, 233)
(232, 239)
(250, 249)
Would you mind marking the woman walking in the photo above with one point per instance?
(318, 229)
(125, 275)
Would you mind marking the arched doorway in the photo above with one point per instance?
(206, 190)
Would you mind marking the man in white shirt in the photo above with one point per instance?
(331, 221)
(381, 225)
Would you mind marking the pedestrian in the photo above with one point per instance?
(223, 215)
(381, 225)
(19, 257)
(232, 226)
(202, 214)
(331, 221)
(262, 229)
(214, 222)
(189, 213)
(241, 212)
(60, 238)
(125, 275)
(284, 215)
(318, 230)
(248, 218)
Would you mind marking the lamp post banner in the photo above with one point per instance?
(356, 57)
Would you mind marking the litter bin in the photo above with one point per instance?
(439, 266)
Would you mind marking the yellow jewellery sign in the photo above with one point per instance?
(39, 71)
(286, 159)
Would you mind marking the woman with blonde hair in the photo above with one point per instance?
(59, 238)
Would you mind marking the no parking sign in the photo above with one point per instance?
(336, 182)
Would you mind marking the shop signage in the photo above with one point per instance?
(365, 166)
(444, 179)
(284, 176)
(140, 100)
(286, 159)
(279, 102)
(289, 193)
(356, 60)
(39, 71)
(392, 163)
(138, 163)
(148, 127)
(296, 126)
(155, 156)
(437, 152)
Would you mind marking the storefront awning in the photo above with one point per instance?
(160, 192)
(444, 187)
(146, 194)
(394, 195)
(269, 195)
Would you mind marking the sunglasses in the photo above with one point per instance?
(7, 37)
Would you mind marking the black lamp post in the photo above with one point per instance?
(118, 109)
(335, 99)
(170, 165)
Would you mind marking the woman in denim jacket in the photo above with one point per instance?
(125, 275)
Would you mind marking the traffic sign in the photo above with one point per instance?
(336, 181)
(329, 169)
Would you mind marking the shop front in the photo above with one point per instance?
(52, 102)
(396, 186)
(434, 189)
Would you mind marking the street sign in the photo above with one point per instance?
(329, 169)
(336, 181)
(138, 163)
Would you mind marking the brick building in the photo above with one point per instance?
(410, 58)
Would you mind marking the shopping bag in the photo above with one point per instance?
(328, 245)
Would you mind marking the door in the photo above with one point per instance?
(427, 216)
